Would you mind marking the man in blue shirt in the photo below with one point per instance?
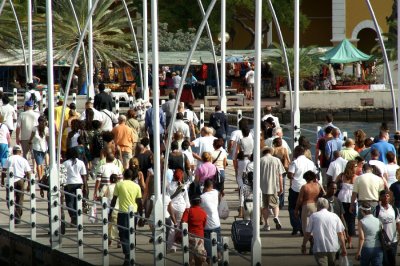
(333, 145)
(383, 146)
(329, 120)
(149, 126)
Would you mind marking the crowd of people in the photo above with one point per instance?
(347, 178)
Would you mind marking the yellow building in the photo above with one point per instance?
(330, 22)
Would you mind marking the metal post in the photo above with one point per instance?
(74, 98)
(283, 47)
(44, 100)
(90, 86)
(214, 251)
(296, 47)
(15, 95)
(223, 55)
(239, 117)
(256, 242)
(132, 237)
(117, 105)
(203, 13)
(30, 53)
(201, 116)
(11, 201)
(185, 244)
(145, 86)
(225, 251)
(54, 189)
(32, 182)
(344, 135)
(79, 222)
(105, 223)
(130, 102)
(385, 58)
(159, 234)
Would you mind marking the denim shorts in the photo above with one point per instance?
(39, 157)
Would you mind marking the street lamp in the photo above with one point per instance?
(227, 37)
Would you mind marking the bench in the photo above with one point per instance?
(238, 99)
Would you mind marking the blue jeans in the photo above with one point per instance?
(371, 256)
(207, 241)
(294, 222)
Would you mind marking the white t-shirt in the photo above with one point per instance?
(391, 171)
(325, 225)
(75, 169)
(209, 202)
(204, 144)
(336, 167)
(270, 143)
(381, 166)
(181, 201)
(18, 165)
(26, 122)
(298, 167)
(106, 170)
(181, 126)
(96, 115)
(4, 134)
(250, 77)
(389, 221)
(220, 162)
(8, 112)
(177, 81)
(190, 116)
(108, 119)
(189, 155)
(40, 143)
(235, 136)
(28, 95)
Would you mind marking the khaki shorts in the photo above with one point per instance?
(270, 200)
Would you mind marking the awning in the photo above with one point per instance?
(345, 52)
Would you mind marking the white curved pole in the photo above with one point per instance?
(2, 6)
(256, 242)
(222, 99)
(135, 41)
(385, 58)
(283, 47)
(90, 85)
(296, 79)
(21, 38)
(83, 45)
(179, 92)
(212, 48)
(145, 86)
(71, 71)
(30, 53)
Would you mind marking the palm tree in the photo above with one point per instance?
(309, 62)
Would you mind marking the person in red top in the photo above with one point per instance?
(196, 219)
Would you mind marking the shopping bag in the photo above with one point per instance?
(93, 214)
(344, 261)
(223, 209)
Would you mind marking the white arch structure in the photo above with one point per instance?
(365, 24)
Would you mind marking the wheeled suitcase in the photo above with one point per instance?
(242, 234)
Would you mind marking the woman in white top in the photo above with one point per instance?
(219, 160)
(347, 179)
(38, 143)
(177, 191)
(5, 141)
(9, 114)
(76, 177)
(391, 168)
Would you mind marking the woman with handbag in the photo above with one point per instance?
(219, 156)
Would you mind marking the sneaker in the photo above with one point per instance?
(294, 232)
(266, 228)
(277, 223)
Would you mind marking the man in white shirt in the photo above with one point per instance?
(250, 83)
(34, 96)
(268, 113)
(96, 114)
(380, 165)
(335, 168)
(203, 143)
(180, 125)
(109, 118)
(209, 198)
(177, 79)
(277, 132)
(8, 113)
(104, 172)
(328, 232)
(297, 168)
(27, 120)
(20, 168)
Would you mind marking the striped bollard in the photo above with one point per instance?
(11, 202)
(15, 96)
(225, 251)
(32, 182)
(44, 100)
(79, 222)
(117, 106)
(74, 98)
(130, 102)
(201, 116)
(239, 117)
(132, 242)
(58, 95)
(105, 238)
(113, 100)
(318, 129)
(185, 244)
(214, 251)
(345, 135)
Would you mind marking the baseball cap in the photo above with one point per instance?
(29, 103)
(17, 148)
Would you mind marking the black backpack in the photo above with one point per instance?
(217, 122)
(97, 145)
